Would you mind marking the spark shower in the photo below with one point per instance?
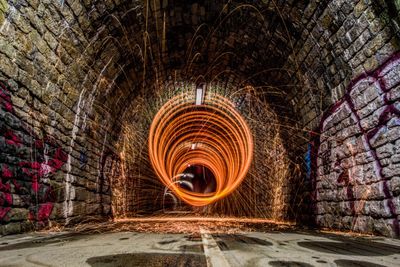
(211, 135)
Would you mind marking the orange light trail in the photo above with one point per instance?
(222, 138)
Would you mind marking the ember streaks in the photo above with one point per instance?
(222, 138)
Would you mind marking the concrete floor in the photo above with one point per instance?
(290, 248)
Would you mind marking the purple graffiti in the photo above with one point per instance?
(27, 178)
(371, 94)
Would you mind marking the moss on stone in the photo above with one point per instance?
(396, 43)
(397, 3)
(3, 10)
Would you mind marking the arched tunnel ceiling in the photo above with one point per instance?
(85, 78)
(200, 40)
(291, 50)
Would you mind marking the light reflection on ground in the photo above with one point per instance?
(188, 225)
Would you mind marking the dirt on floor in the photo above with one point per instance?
(181, 225)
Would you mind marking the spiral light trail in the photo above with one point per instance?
(213, 135)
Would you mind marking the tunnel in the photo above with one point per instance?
(200, 133)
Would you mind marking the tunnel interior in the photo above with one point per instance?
(296, 104)
(203, 180)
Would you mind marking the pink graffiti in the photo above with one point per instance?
(5, 98)
(12, 139)
(6, 199)
(35, 170)
(43, 212)
(6, 172)
(4, 211)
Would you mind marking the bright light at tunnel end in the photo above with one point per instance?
(191, 130)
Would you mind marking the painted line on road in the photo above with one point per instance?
(214, 256)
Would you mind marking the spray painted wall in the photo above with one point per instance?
(54, 134)
(75, 68)
(358, 163)
(34, 170)
(28, 164)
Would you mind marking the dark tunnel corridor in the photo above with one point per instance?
(227, 121)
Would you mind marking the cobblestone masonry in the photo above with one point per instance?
(358, 182)
(71, 69)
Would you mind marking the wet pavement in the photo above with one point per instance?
(278, 248)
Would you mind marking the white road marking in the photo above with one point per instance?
(214, 256)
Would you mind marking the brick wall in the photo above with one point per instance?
(347, 60)
(53, 136)
(358, 157)
(72, 70)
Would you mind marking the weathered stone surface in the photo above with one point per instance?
(17, 215)
(372, 163)
(394, 185)
(74, 66)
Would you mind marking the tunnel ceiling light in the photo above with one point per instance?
(226, 144)
(200, 90)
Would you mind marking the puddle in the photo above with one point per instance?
(194, 238)
(149, 260)
(167, 242)
(44, 241)
(244, 239)
(289, 264)
(359, 248)
(351, 263)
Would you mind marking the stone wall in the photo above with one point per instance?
(54, 139)
(72, 70)
(358, 179)
(342, 43)
(339, 42)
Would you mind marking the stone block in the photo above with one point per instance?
(362, 224)
(385, 135)
(58, 212)
(12, 228)
(363, 158)
(17, 214)
(396, 202)
(394, 185)
(394, 94)
(364, 92)
(391, 75)
(376, 191)
(384, 227)
(385, 151)
(370, 108)
(391, 170)
(376, 209)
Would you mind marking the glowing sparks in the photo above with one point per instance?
(224, 144)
